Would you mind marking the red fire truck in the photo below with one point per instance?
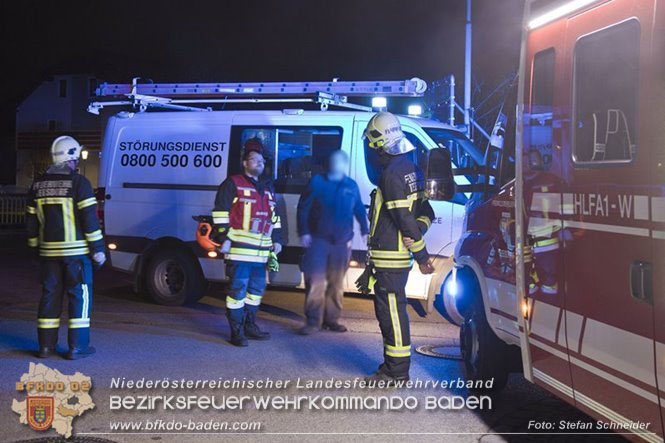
(564, 265)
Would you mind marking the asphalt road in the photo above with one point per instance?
(137, 339)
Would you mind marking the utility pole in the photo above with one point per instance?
(467, 71)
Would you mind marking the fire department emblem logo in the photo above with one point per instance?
(52, 400)
(40, 412)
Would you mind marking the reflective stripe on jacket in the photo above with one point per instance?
(399, 209)
(61, 215)
(244, 213)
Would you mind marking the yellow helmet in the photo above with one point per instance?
(384, 132)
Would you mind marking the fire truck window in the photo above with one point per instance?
(605, 95)
(542, 96)
(541, 110)
(293, 154)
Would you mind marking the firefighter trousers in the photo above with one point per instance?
(390, 308)
(70, 276)
(248, 283)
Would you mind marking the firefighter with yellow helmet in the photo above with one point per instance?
(399, 216)
(63, 228)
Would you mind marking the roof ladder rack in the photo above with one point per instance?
(179, 96)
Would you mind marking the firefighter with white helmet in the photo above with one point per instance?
(399, 215)
(64, 230)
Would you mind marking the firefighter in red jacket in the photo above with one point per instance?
(400, 215)
(247, 226)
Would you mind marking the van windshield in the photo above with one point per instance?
(463, 153)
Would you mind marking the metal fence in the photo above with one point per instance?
(12, 210)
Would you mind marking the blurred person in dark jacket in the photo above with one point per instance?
(326, 211)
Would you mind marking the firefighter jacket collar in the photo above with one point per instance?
(60, 169)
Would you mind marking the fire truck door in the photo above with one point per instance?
(542, 221)
(656, 140)
(608, 255)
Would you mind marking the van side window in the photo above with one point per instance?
(541, 111)
(605, 95)
(294, 154)
(372, 159)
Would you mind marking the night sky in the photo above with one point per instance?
(223, 41)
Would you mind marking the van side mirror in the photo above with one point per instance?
(439, 181)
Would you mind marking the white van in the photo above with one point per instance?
(159, 169)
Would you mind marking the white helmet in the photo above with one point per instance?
(65, 148)
(384, 132)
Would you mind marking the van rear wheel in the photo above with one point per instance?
(173, 278)
(485, 355)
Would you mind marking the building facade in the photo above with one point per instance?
(57, 107)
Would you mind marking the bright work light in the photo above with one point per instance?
(84, 154)
(415, 110)
(559, 12)
(379, 102)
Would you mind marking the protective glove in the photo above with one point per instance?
(98, 258)
(366, 281)
(427, 267)
(273, 262)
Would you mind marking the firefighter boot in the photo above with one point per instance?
(236, 324)
(252, 330)
(48, 339)
(45, 351)
(381, 378)
(79, 353)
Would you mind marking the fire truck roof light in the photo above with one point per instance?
(558, 12)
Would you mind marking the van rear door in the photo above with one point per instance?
(164, 167)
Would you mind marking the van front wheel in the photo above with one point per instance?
(484, 354)
(173, 278)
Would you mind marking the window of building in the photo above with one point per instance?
(293, 154)
(62, 88)
(605, 95)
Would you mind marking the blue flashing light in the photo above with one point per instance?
(452, 287)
